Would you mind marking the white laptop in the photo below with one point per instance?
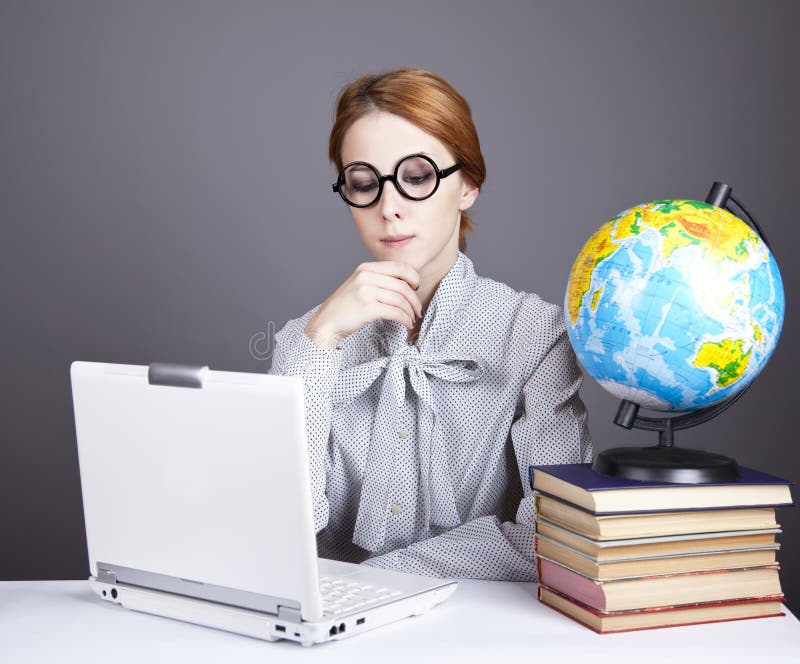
(197, 501)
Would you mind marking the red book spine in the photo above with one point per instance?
(592, 592)
(774, 598)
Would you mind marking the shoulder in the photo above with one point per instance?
(523, 324)
(524, 311)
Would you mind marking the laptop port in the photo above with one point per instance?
(280, 628)
(361, 621)
(341, 628)
(334, 631)
(114, 593)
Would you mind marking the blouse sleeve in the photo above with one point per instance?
(552, 428)
(295, 354)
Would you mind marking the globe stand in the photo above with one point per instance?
(665, 462)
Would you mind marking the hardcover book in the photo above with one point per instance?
(578, 484)
(665, 545)
(661, 590)
(670, 616)
(652, 524)
(648, 565)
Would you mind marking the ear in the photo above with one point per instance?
(469, 193)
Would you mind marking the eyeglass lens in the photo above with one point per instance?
(416, 178)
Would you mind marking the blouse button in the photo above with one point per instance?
(308, 367)
(397, 509)
(403, 433)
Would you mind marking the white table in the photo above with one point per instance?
(498, 622)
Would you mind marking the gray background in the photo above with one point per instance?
(165, 192)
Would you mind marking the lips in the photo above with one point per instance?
(396, 241)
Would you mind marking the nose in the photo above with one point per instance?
(391, 202)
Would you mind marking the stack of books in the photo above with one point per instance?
(619, 555)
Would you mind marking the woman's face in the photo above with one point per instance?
(382, 139)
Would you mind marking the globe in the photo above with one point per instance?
(674, 305)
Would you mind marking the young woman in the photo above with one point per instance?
(429, 389)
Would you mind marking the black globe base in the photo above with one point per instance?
(662, 463)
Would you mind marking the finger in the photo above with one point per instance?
(398, 269)
(388, 312)
(395, 299)
(386, 282)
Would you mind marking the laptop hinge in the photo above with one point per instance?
(176, 375)
(106, 576)
(289, 614)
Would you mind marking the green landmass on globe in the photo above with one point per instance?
(674, 305)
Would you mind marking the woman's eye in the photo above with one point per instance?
(416, 179)
(365, 187)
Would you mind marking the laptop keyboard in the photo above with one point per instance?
(343, 595)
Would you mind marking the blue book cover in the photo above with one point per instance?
(582, 475)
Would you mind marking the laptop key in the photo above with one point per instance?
(343, 595)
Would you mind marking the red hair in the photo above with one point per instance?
(427, 101)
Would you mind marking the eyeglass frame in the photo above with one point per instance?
(441, 174)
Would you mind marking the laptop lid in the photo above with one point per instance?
(197, 482)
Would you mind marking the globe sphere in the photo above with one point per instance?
(674, 305)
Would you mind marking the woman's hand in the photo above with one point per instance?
(381, 290)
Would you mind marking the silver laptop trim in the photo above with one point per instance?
(110, 573)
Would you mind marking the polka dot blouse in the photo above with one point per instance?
(419, 452)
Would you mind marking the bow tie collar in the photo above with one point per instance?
(437, 487)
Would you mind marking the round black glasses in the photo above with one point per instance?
(416, 177)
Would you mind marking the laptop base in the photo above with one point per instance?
(265, 626)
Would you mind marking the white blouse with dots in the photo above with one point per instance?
(419, 452)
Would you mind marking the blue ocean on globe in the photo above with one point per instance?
(674, 305)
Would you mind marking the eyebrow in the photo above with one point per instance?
(427, 154)
(359, 167)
